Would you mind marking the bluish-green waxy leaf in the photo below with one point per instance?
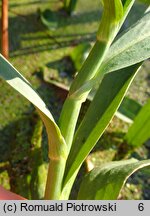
(57, 146)
(136, 13)
(106, 181)
(131, 47)
(19, 83)
(139, 132)
(104, 105)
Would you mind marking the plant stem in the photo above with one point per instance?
(68, 119)
(58, 155)
(83, 83)
(108, 28)
(54, 179)
(72, 105)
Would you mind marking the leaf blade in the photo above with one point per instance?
(125, 52)
(96, 120)
(106, 182)
(57, 146)
(139, 132)
(20, 84)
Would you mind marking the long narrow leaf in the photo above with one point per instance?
(57, 145)
(98, 116)
(128, 109)
(105, 182)
(139, 132)
(19, 83)
(131, 47)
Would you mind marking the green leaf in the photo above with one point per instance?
(131, 47)
(137, 12)
(139, 132)
(128, 110)
(19, 83)
(123, 52)
(98, 116)
(127, 4)
(57, 145)
(106, 181)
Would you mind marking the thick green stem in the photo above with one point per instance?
(72, 105)
(54, 179)
(82, 85)
(58, 155)
(68, 119)
(77, 96)
(90, 66)
(80, 88)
